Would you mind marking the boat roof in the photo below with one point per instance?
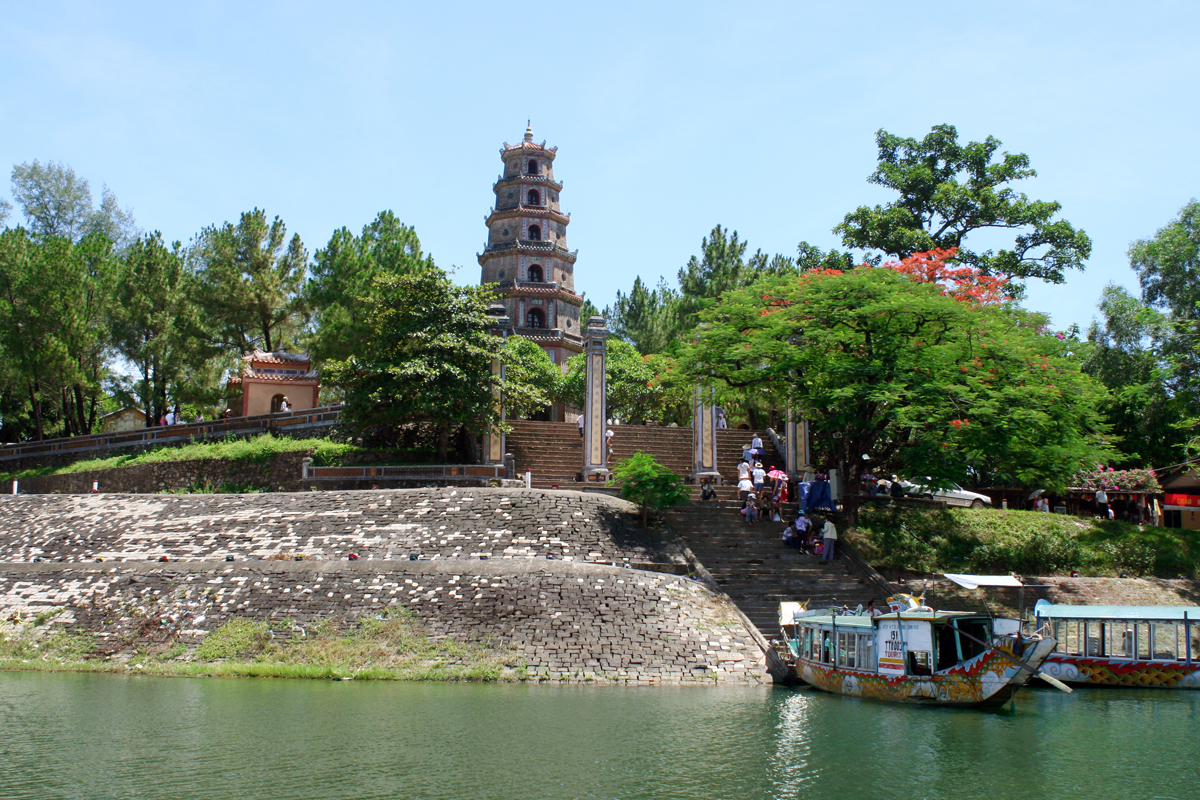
(1058, 611)
(865, 622)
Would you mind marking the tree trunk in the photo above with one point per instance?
(443, 441)
(36, 406)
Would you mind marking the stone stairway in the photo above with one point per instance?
(753, 567)
(553, 451)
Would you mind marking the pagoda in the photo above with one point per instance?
(527, 255)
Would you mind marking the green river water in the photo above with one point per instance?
(101, 736)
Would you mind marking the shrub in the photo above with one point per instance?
(649, 484)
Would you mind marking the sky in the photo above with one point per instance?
(670, 118)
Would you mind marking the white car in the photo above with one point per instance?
(953, 496)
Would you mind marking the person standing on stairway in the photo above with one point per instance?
(581, 426)
(743, 470)
(828, 540)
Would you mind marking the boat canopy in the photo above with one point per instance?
(1165, 613)
(975, 581)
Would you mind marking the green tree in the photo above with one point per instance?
(632, 394)
(921, 380)
(646, 318)
(343, 275)
(531, 378)
(57, 202)
(157, 321)
(249, 281)
(721, 267)
(649, 484)
(949, 190)
(1127, 355)
(428, 358)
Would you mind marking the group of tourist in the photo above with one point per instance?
(815, 536)
(758, 497)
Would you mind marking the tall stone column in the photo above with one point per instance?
(494, 440)
(595, 407)
(795, 439)
(704, 437)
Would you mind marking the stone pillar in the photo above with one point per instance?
(704, 437)
(795, 440)
(595, 407)
(494, 439)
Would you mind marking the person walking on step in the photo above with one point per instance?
(750, 509)
(744, 470)
(803, 528)
(745, 487)
(828, 541)
(760, 476)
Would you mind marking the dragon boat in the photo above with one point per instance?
(1141, 646)
(913, 654)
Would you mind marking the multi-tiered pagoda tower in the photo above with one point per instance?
(527, 251)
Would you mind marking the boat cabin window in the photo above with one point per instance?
(920, 662)
(1166, 640)
(1118, 639)
(847, 650)
(866, 652)
(1093, 639)
(1142, 639)
(826, 647)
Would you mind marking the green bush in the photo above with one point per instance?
(1025, 542)
(649, 484)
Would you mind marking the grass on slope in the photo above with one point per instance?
(388, 646)
(993, 541)
(258, 450)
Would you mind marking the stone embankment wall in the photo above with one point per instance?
(482, 571)
(385, 524)
(282, 473)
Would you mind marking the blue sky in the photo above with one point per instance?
(669, 117)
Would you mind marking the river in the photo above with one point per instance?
(96, 737)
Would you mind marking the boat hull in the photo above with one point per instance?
(1120, 672)
(988, 680)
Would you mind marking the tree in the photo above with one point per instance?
(57, 202)
(343, 275)
(949, 190)
(920, 381)
(722, 266)
(53, 324)
(249, 278)
(631, 392)
(531, 378)
(646, 318)
(428, 358)
(1128, 356)
(649, 484)
(157, 320)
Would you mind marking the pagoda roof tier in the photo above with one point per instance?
(526, 246)
(551, 336)
(540, 180)
(528, 146)
(527, 211)
(538, 289)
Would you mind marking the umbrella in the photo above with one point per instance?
(776, 473)
(1036, 494)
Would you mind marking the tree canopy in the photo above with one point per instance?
(949, 190)
(916, 376)
(344, 272)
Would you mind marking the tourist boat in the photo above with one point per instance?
(1152, 646)
(913, 654)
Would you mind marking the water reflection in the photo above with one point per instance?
(103, 736)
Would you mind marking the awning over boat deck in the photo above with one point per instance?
(1165, 613)
(975, 581)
